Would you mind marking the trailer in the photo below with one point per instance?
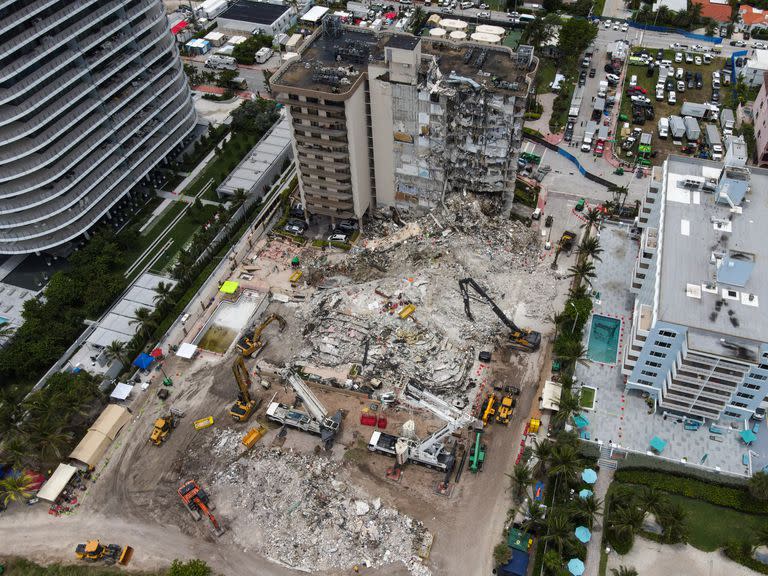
(712, 137)
(692, 130)
(727, 121)
(676, 127)
(589, 134)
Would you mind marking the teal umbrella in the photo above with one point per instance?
(748, 436)
(575, 567)
(580, 421)
(585, 493)
(658, 444)
(583, 534)
(589, 476)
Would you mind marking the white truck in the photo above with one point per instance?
(663, 127)
(712, 136)
(264, 54)
(221, 63)
(589, 135)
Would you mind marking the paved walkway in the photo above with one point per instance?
(188, 199)
(592, 565)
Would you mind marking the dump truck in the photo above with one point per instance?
(95, 551)
(162, 429)
(504, 412)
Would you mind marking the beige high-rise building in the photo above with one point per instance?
(383, 119)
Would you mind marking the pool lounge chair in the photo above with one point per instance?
(714, 429)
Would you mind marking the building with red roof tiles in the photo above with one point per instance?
(718, 10)
(752, 17)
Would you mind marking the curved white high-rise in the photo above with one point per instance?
(92, 97)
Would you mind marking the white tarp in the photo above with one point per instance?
(186, 350)
(121, 391)
(56, 483)
(550, 397)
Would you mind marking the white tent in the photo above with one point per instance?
(186, 350)
(56, 483)
(121, 391)
(550, 397)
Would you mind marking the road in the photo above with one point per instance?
(254, 75)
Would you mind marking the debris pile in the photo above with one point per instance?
(300, 511)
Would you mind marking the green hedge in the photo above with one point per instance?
(742, 553)
(678, 483)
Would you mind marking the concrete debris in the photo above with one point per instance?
(295, 509)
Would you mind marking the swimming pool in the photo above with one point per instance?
(604, 339)
(227, 321)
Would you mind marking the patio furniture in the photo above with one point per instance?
(658, 445)
(584, 435)
(691, 427)
(756, 427)
(745, 459)
(580, 421)
(748, 436)
(714, 429)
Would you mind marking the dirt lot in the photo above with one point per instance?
(338, 506)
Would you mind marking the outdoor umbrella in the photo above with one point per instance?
(589, 476)
(748, 436)
(583, 534)
(156, 353)
(575, 567)
(143, 361)
(585, 493)
(658, 444)
(580, 421)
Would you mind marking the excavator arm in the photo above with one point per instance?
(243, 379)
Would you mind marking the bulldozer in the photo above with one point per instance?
(504, 412)
(245, 404)
(250, 345)
(95, 551)
(162, 429)
(197, 502)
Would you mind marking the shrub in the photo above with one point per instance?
(741, 552)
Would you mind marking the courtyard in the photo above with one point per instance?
(622, 419)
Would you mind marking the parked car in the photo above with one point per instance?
(612, 79)
(679, 73)
(640, 98)
(607, 24)
(617, 27)
(660, 95)
(669, 85)
(688, 58)
(678, 57)
(715, 95)
(624, 27)
(680, 86)
(739, 43)
(337, 238)
(697, 60)
(569, 131)
(483, 14)
(609, 69)
(672, 98)
(760, 46)
(699, 80)
(347, 225)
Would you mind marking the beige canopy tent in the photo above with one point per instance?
(99, 436)
(550, 397)
(56, 483)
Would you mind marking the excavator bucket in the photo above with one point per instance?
(125, 556)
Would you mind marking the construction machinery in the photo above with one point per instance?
(430, 452)
(315, 421)
(253, 436)
(95, 551)
(504, 413)
(198, 503)
(251, 344)
(489, 410)
(162, 429)
(525, 340)
(245, 405)
(477, 458)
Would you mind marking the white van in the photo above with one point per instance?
(264, 54)
(679, 74)
(465, 5)
(672, 98)
(633, 81)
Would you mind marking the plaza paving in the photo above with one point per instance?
(622, 419)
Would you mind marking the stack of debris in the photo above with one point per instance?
(301, 511)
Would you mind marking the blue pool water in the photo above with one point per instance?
(604, 339)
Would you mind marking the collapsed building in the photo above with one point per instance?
(394, 120)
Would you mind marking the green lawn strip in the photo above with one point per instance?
(587, 397)
(223, 163)
(181, 233)
(711, 527)
(545, 75)
(598, 8)
(23, 567)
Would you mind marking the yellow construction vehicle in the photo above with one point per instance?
(505, 410)
(489, 411)
(253, 436)
(249, 345)
(245, 405)
(93, 551)
(163, 427)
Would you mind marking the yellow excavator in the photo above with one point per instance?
(94, 551)
(249, 345)
(245, 405)
(163, 427)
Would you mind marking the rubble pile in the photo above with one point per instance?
(299, 510)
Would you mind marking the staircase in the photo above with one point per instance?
(605, 460)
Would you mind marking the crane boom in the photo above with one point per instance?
(313, 405)
(434, 404)
(527, 340)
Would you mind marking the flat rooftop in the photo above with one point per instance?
(359, 46)
(254, 12)
(714, 275)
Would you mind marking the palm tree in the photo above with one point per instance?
(625, 521)
(758, 486)
(48, 439)
(534, 514)
(143, 318)
(520, 480)
(565, 462)
(13, 488)
(673, 520)
(567, 406)
(624, 571)
(588, 510)
(582, 271)
(542, 449)
(590, 248)
(577, 292)
(652, 500)
(619, 197)
(162, 292)
(14, 450)
(572, 352)
(760, 537)
(553, 563)
(115, 351)
(556, 319)
(591, 218)
(559, 531)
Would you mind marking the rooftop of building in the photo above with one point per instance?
(751, 15)
(333, 64)
(254, 12)
(719, 10)
(713, 278)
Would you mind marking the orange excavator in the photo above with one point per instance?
(197, 502)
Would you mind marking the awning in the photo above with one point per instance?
(121, 391)
(550, 396)
(156, 353)
(229, 287)
(186, 350)
(56, 483)
(143, 361)
(658, 444)
(519, 540)
(748, 436)
(179, 26)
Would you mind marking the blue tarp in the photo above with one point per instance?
(517, 565)
(143, 361)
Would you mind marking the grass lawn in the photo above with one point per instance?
(662, 109)
(587, 397)
(513, 38)
(181, 234)
(545, 75)
(20, 567)
(711, 527)
(598, 8)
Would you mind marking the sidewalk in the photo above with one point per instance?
(188, 199)
(592, 564)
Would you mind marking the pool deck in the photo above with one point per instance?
(621, 418)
